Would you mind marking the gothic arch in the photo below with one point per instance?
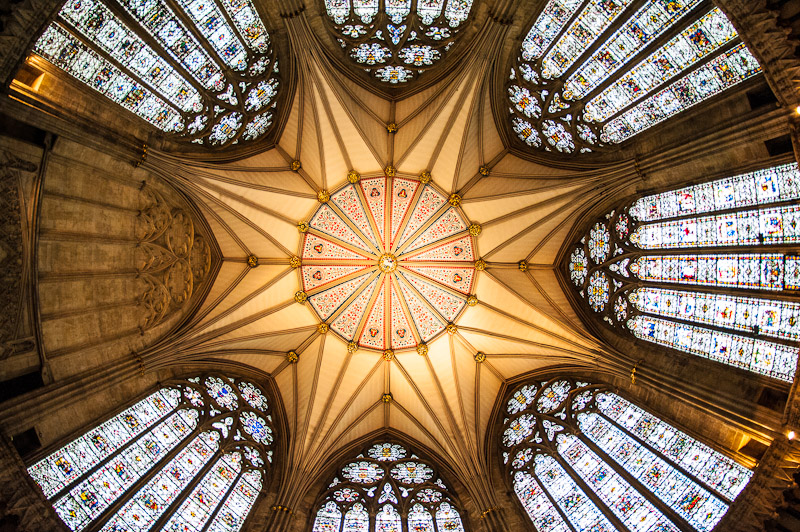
(216, 431)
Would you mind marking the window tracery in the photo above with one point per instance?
(191, 456)
(667, 256)
(397, 40)
(204, 71)
(387, 489)
(592, 74)
(582, 458)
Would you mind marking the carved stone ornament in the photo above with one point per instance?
(172, 258)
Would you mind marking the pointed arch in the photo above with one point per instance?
(192, 455)
(579, 455)
(708, 269)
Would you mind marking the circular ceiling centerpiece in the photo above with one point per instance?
(388, 262)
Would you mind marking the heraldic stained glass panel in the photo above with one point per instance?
(582, 458)
(388, 489)
(191, 456)
(592, 74)
(204, 71)
(655, 268)
(397, 40)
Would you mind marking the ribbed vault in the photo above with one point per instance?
(522, 321)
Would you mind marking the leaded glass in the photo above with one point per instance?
(328, 519)
(656, 59)
(751, 216)
(210, 482)
(391, 488)
(635, 464)
(412, 37)
(153, 65)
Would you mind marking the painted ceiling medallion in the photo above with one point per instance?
(388, 262)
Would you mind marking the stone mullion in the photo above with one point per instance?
(193, 30)
(679, 75)
(126, 70)
(547, 494)
(222, 500)
(587, 53)
(136, 27)
(718, 328)
(635, 224)
(668, 512)
(108, 513)
(679, 25)
(601, 506)
(187, 490)
(66, 489)
(664, 457)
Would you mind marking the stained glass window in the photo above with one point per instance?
(387, 489)
(399, 42)
(183, 458)
(388, 262)
(578, 85)
(655, 260)
(591, 460)
(168, 63)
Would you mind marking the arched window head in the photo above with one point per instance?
(203, 71)
(192, 456)
(592, 74)
(387, 488)
(580, 457)
(709, 269)
(397, 40)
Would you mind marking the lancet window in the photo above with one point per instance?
(191, 456)
(397, 40)
(591, 74)
(710, 269)
(580, 457)
(203, 70)
(387, 489)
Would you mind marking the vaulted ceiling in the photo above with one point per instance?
(522, 321)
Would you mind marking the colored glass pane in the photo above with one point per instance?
(627, 457)
(328, 519)
(757, 271)
(411, 275)
(577, 267)
(237, 505)
(356, 519)
(404, 46)
(105, 485)
(579, 509)
(710, 79)
(412, 473)
(125, 466)
(778, 225)
(780, 319)
(155, 66)
(592, 73)
(63, 467)
(694, 43)
(694, 503)
(196, 509)
(760, 187)
(598, 243)
(598, 291)
(647, 24)
(767, 358)
(716, 470)
(386, 452)
(362, 472)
